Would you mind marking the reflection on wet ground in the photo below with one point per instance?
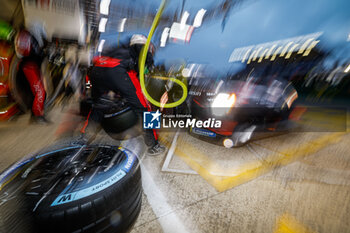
(297, 181)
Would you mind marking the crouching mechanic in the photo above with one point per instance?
(117, 71)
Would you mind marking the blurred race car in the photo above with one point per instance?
(249, 108)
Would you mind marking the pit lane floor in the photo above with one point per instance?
(298, 182)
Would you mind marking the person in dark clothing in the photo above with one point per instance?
(117, 71)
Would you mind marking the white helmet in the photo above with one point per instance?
(138, 39)
(141, 39)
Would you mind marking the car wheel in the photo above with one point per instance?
(79, 188)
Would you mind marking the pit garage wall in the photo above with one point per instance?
(49, 12)
(11, 12)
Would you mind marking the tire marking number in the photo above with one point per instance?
(69, 197)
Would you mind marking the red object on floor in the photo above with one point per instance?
(86, 123)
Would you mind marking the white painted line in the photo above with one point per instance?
(266, 149)
(170, 151)
(169, 156)
(254, 152)
(188, 172)
(165, 214)
(135, 145)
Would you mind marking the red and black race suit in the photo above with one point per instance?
(114, 74)
(31, 71)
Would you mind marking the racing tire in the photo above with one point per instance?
(118, 120)
(19, 86)
(99, 191)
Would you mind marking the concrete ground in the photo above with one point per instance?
(297, 182)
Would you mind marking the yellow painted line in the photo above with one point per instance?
(288, 156)
(288, 224)
(332, 120)
(195, 155)
(307, 148)
(204, 166)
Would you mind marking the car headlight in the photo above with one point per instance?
(223, 103)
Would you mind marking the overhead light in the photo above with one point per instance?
(100, 46)
(285, 49)
(164, 37)
(121, 25)
(251, 56)
(279, 48)
(311, 46)
(275, 53)
(104, 6)
(270, 51)
(303, 47)
(102, 25)
(347, 69)
(199, 18)
(257, 53)
(291, 50)
(262, 55)
(184, 19)
(181, 34)
(246, 55)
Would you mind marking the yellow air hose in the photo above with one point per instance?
(142, 60)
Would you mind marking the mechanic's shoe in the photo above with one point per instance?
(39, 120)
(156, 149)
